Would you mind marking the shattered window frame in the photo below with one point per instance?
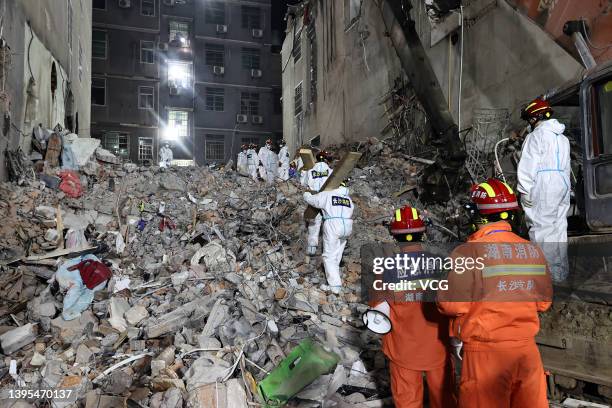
(215, 99)
(146, 94)
(298, 103)
(297, 47)
(145, 148)
(101, 44)
(249, 103)
(214, 54)
(98, 83)
(214, 13)
(147, 48)
(251, 17)
(117, 143)
(179, 120)
(251, 58)
(148, 6)
(214, 147)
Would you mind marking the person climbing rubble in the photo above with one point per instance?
(283, 161)
(494, 306)
(337, 208)
(242, 161)
(268, 162)
(544, 184)
(416, 324)
(314, 179)
(252, 160)
(165, 156)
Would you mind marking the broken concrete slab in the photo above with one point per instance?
(67, 331)
(225, 395)
(206, 370)
(218, 315)
(117, 307)
(136, 314)
(17, 338)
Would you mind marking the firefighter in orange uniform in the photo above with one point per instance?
(494, 304)
(417, 342)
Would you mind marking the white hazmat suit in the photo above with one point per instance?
(314, 180)
(241, 163)
(544, 184)
(283, 160)
(252, 161)
(269, 161)
(165, 157)
(337, 208)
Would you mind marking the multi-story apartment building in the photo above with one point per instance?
(203, 75)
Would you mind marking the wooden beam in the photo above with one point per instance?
(340, 173)
(308, 159)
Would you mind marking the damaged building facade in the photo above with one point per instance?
(343, 81)
(45, 75)
(200, 75)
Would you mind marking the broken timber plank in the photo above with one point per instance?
(308, 159)
(339, 174)
(419, 159)
(60, 252)
(404, 190)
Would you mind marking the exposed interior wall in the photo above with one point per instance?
(508, 60)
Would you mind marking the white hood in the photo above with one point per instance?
(552, 125)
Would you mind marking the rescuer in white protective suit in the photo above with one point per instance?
(314, 179)
(165, 156)
(283, 161)
(269, 162)
(241, 161)
(544, 184)
(337, 208)
(252, 161)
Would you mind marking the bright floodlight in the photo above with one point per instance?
(170, 133)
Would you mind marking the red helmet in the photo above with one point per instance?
(407, 221)
(538, 109)
(494, 196)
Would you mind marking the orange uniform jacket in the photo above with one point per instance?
(497, 306)
(419, 332)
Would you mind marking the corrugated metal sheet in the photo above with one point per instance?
(551, 15)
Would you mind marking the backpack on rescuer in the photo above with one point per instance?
(92, 272)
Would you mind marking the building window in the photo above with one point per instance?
(147, 52)
(249, 103)
(250, 58)
(297, 46)
(99, 43)
(117, 144)
(215, 147)
(179, 73)
(145, 148)
(99, 4)
(145, 97)
(178, 31)
(214, 13)
(98, 91)
(215, 55)
(147, 8)
(178, 121)
(277, 96)
(250, 139)
(298, 99)
(80, 61)
(251, 17)
(215, 99)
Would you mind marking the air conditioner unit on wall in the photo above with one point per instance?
(217, 70)
(256, 73)
(221, 29)
(257, 119)
(257, 33)
(125, 3)
(242, 118)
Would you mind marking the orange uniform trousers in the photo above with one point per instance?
(407, 387)
(503, 378)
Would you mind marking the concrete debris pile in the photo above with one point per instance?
(210, 289)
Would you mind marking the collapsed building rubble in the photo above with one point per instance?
(210, 290)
